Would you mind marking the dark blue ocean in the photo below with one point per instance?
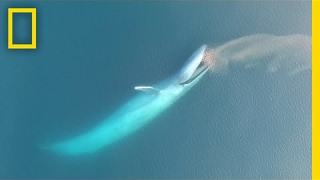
(90, 55)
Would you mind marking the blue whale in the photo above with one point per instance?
(138, 111)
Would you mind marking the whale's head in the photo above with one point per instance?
(194, 68)
(192, 71)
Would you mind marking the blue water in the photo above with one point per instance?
(90, 55)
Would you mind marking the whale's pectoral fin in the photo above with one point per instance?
(148, 89)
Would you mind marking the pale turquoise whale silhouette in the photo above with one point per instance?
(138, 111)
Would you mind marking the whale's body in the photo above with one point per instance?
(138, 111)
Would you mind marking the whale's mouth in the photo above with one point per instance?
(201, 69)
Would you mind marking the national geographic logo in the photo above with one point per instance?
(33, 44)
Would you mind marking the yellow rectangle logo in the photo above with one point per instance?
(33, 44)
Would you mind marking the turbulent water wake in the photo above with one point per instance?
(290, 54)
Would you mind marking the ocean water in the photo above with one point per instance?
(245, 123)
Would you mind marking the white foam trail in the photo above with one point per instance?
(291, 54)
